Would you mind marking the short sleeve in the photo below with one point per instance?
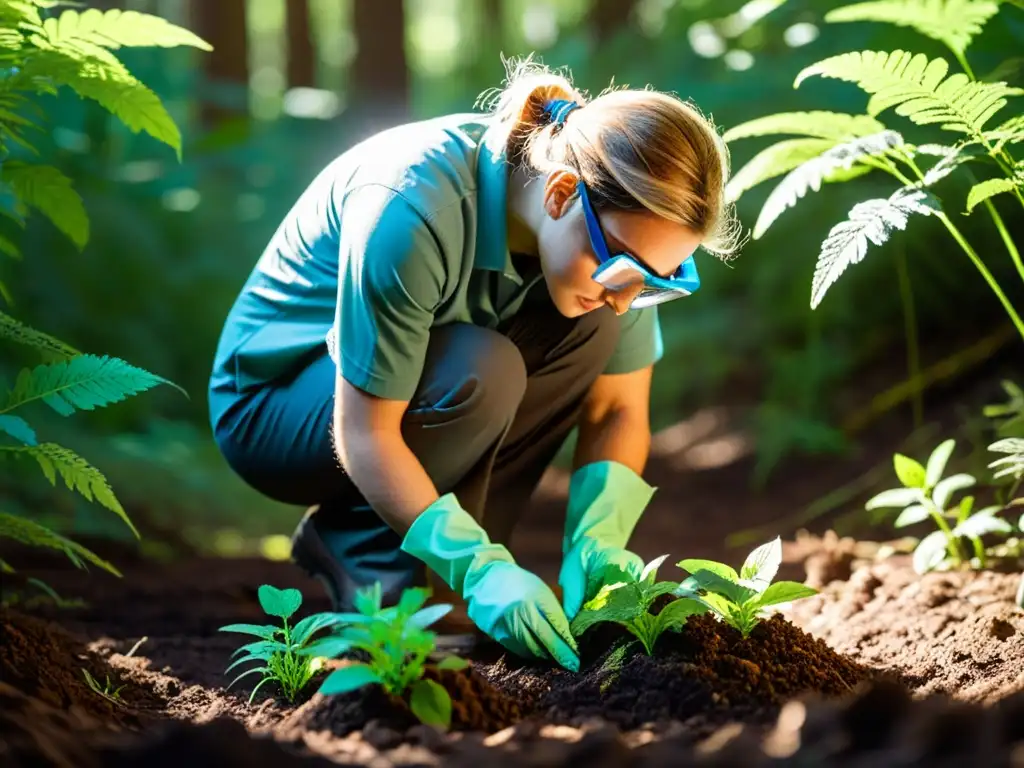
(640, 343)
(390, 278)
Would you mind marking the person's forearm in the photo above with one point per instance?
(619, 436)
(390, 477)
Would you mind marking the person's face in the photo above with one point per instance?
(568, 258)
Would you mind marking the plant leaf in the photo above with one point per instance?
(821, 124)
(946, 487)
(431, 703)
(810, 174)
(279, 602)
(917, 88)
(452, 663)
(349, 678)
(911, 515)
(427, 616)
(785, 592)
(930, 552)
(368, 599)
(115, 28)
(677, 612)
(330, 647)
(1013, 463)
(909, 471)
(49, 191)
(18, 428)
(773, 161)
(310, 625)
(650, 571)
(1009, 132)
(981, 523)
(19, 333)
(266, 632)
(29, 532)
(712, 582)
(952, 22)
(412, 599)
(692, 565)
(894, 497)
(762, 564)
(869, 221)
(990, 187)
(619, 602)
(937, 461)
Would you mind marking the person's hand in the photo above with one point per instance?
(508, 603)
(606, 500)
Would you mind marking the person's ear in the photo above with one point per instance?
(560, 193)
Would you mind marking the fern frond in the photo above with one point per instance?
(77, 474)
(26, 531)
(116, 28)
(19, 333)
(1010, 132)
(950, 158)
(11, 205)
(19, 14)
(773, 161)
(952, 22)
(49, 191)
(983, 190)
(18, 428)
(812, 173)
(84, 383)
(1012, 464)
(819, 124)
(917, 88)
(870, 221)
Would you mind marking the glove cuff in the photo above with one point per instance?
(451, 542)
(606, 500)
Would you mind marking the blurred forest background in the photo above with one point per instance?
(292, 83)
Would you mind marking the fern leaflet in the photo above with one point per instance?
(772, 161)
(26, 531)
(116, 28)
(18, 428)
(19, 333)
(952, 22)
(817, 124)
(84, 383)
(917, 88)
(812, 173)
(869, 221)
(1010, 132)
(77, 474)
(983, 190)
(1011, 465)
(48, 190)
(951, 158)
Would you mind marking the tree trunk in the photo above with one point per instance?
(607, 17)
(379, 77)
(301, 57)
(226, 67)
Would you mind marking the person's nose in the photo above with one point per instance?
(621, 299)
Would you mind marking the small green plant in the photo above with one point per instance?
(108, 689)
(739, 599)
(397, 643)
(280, 648)
(924, 493)
(628, 604)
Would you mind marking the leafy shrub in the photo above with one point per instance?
(739, 599)
(40, 54)
(280, 648)
(628, 604)
(397, 642)
(835, 147)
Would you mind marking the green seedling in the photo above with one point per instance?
(740, 599)
(397, 643)
(279, 647)
(105, 689)
(628, 604)
(925, 494)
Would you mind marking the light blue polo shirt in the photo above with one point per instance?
(403, 232)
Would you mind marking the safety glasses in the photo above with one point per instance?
(621, 271)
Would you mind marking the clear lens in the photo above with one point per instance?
(620, 275)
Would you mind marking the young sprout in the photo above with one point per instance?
(925, 494)
(739, 599)
(398, 643)
(279, 647)
(628, 603)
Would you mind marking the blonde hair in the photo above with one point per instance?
(636, 149)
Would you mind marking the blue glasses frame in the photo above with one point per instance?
(683, 282)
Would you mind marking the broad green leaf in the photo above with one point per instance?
(78, 475)
(894, 497)
(18, 428)
(659, 588)
(26, 531)
(279, 602)
(368, 599)
(909, 471)
(917, 87)
(48, 190)
(952, 22)
(937, 461)
(911, 516)
(614, 602)
(84, 383)
(982, 523)
(330, 647)
(19, 333)
(412, 600)
(427, 616)
(677, 612)
(990, 187)
(868, 221)
(650, 571)
(811, 174)
(820, 124)
(772, 161)
(785, 592)
(349, 678)
(692, 565)
(259, 630)
(762, 564)
(452, 663)
(266, 646)
(431, 703)
(930, 552)
(946, 487)
(712, 582)
(310, 625)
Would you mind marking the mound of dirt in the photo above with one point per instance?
(958, 633)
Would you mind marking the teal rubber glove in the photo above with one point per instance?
(508, 603)
(606, 499)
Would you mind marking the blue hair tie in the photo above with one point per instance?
(558, 110)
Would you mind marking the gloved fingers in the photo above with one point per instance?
(552, 630)
(573, 580)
